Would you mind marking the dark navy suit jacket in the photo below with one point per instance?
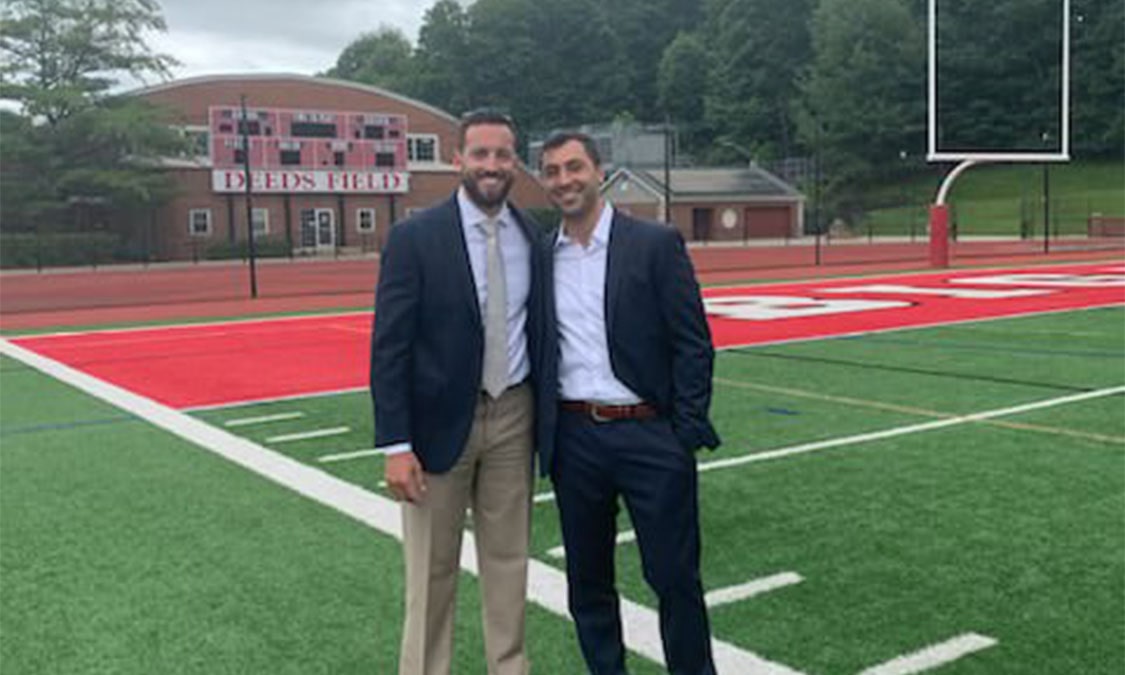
(659, 342)
(428, 340)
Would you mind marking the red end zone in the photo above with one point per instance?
(217, 364)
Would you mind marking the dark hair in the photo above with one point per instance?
(483, 116)
(560, 138)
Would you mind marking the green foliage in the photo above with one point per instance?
(383, 58)
(57, 249)
(758, 48)
(441, 55)
(1098, 78)
(60, 56)
(72, 148)
(864, 109)
(679, 93)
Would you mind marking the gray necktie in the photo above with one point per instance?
(495, 379)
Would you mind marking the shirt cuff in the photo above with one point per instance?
(395, 449)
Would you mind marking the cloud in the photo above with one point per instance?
(293, 36)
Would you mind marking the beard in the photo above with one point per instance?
(491, 198)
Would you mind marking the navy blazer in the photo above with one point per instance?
(428, 340)
(659, 341)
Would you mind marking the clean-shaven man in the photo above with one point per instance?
(632, 356)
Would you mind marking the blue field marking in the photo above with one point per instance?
(65, 426)
(782, 411)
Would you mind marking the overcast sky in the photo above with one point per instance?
(274, 36)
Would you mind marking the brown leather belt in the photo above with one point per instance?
(609, 413)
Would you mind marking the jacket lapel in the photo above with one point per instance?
(453, 240)
(615, 268)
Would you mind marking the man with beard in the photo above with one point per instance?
(632, 381)
(450, 365)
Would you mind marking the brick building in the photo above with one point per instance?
(711, 204)
(333, 164)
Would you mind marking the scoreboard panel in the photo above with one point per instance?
(302, 139)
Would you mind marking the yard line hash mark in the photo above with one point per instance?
(306, 435)
(933, 656)
(729, 594)
(278, 417)
(343, 456)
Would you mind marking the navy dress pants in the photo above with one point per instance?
(643, 463)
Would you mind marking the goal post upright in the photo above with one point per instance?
(939, 210)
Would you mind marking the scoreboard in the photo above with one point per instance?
(301, 150)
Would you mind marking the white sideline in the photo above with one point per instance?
(723, 596)
(305, 435)
(546, 585)
(933, 656)
(245, 421)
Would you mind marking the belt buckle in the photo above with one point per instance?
(598, 417)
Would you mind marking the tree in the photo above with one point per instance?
(383, 58)
(758, 49)
(549, 64)
(1098, 78)
(644, 29)
(682, 67)
(72, 143)
(441, 57)
(61, 56)
(864, 102)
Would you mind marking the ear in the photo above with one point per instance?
(457, 163)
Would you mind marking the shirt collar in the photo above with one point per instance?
(601, 229)
(471, 214)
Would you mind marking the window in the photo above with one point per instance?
(384, 159)
(339, 158)
(199, 222)
(422, 148)
(260, 219)
(365, 220)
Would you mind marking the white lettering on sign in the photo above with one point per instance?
(1053, 280)
(771, 307)
(960, 293)
(366, 182)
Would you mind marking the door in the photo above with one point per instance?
(318, 229)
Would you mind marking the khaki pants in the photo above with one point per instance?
(493, 476)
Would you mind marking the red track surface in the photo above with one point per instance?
(228, 363)
(81, 297)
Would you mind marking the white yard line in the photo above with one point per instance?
(544, 497)
(933, 656)
(306, 435)
(246, 421)
(908, 429)
(724, 596)
(546, 585)
(559, 552)
(342, 456)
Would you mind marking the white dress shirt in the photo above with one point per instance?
(585, 372)
(516, 252)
